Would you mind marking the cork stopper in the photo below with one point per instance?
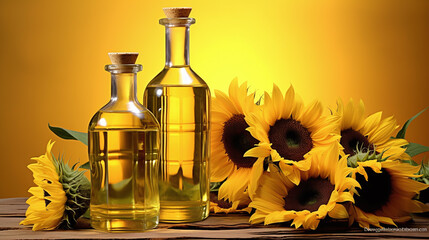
(123, 57)
(177, 12)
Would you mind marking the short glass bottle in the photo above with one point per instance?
(123, 152)
(180, 100)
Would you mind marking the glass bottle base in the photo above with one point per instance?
(182, 212)
(124, 224)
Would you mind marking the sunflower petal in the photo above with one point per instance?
(225, 103)
(277, 100)
(338, 212)
(384, 131)
(386, 220)
(311, 221)
(259, 151)
(235, 185)
(221, 170)
(278, 217)
(257, 171)
(312, 114)
(257, 217)
(345, 197)
(370, 124)
(288, 103)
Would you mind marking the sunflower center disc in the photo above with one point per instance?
(375, 192)
(290, 139)
(237, 140)
(352, 140)
(309, 195)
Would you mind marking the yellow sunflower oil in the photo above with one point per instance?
(180, 100)
(123, 152)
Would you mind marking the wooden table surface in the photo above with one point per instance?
(217, 226)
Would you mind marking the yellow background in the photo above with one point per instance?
(52, 55)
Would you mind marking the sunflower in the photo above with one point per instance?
(358, 131)
(290, 133)
(229, 142)
(61, 195)
(319, 193)
(387, 191)
(47, 204)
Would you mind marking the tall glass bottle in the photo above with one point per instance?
(123, 153)
(180, 100)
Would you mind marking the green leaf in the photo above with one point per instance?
(87, 214)
(85, 166)
(70, 134)
(414, 149)
(214, 186)
(401, 133)
(424, 171)
(411, 162)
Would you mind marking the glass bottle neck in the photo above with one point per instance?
(123, 88)
(176, 46)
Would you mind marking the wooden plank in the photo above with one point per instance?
(13, 210)
(11, 223)
(231, 221)
(14, 207)
(272, 233)
(13, 201)
(232, 226)
(205, 229)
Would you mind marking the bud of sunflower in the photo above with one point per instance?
(78, 191)
(362, 154)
